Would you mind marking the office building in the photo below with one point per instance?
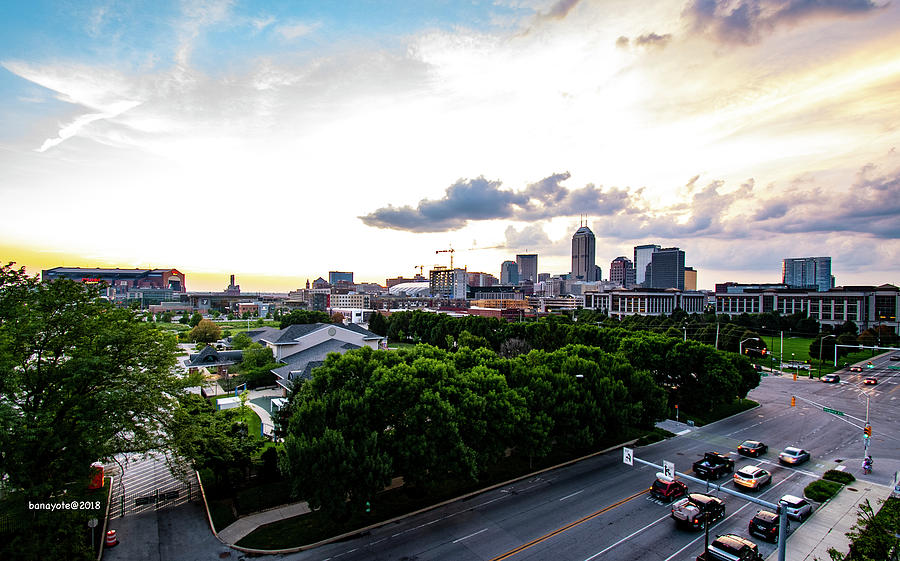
(690, 278)
(509, 273)
(482, 279)
(621, 272)
(334, 277)
(120, 281)
(620, 303)
(642, 256)
(666, 269)
(583, 248)
(807, 273)
(528, 267)
(448, 283)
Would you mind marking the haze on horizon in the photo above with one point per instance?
(278, 142)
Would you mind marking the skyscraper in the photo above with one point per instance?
(335, 277)
(583, 248)
(621, 272)
(807, 272)
(667, 269)
(528, 267)
(509, 272)
(642, 257)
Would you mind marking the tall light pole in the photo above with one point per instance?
(741, 344)
(822, 340)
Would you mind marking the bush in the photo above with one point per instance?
(821, 490)
(841, 477)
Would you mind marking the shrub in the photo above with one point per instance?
(821, 490)
(839, 476)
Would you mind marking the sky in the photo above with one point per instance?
(280, 140)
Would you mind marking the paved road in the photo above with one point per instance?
(597, 510)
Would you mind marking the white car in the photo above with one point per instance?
(796, 507)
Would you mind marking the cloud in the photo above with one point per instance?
(746, 21)
(261, 23)
(480, 199)
(290, 31)
(75, 127)
(653, 40)
(561, 9)
(622, 42)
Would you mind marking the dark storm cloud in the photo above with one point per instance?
(480, 199)
(745, 21)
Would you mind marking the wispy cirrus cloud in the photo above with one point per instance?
(295, 29)
(746, 21)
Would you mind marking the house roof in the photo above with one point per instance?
(301, 363)
(209, 356)
(291, 333)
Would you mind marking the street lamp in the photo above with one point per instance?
(822, 340)
(741, 344)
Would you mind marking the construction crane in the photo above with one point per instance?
(421, 269)
(450, 251)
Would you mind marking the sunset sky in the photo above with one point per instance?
(279, 140)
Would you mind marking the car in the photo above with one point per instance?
(871, 381)
(856, 369)
(667, 489)
(796, 507)
(731, 547)
(697, 508)
(765, 525)
(752, 448)
(831, 378)
(713, 465)
(793, 456)
(752, 477)
(895, 358)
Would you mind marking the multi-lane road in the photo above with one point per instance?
(600, 509)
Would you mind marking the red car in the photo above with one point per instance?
(856, 369)
(870, 381)
(666, 489)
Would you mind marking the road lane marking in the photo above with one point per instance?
(669, 558)
(568, 526)
(626, 538)
(470, 535)
(572, 495)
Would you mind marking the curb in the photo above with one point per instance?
(416, 512)
(112, 480)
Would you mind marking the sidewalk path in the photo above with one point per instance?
(828, 525)
(243, 526)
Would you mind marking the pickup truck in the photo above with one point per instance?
(693, 510)
(713, 466)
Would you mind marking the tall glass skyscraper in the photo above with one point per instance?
(583, 262)
(509, 272)
(528, 267)
(666, 269)
(643, 254)
(807, 272)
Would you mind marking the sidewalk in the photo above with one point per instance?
(828, 525)
(243, 526)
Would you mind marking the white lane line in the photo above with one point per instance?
(626, 538)
(470, 535)
(840, 468)
(572, 495)
(669, 558)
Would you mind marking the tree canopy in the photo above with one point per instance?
(303, 316)
(206, 331)
(80, 380)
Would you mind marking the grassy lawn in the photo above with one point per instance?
(251, 418)
(799, 346)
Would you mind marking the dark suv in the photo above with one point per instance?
(666, 489)
(730, 547)
(765, 525)
(713, 466)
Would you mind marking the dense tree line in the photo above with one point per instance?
(451, 408)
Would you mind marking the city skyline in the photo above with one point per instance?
(279, 143)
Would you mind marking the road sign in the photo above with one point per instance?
(833, 411)
(669, 469)
(628, 456)
(92, 523)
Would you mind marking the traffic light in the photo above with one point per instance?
(867, 432)
(793, 401)
(368, 506)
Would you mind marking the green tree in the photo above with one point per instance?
(378, 324)
(302, 317)
(206, 331)
(80, 380)
(241, 341)
(195, 319)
